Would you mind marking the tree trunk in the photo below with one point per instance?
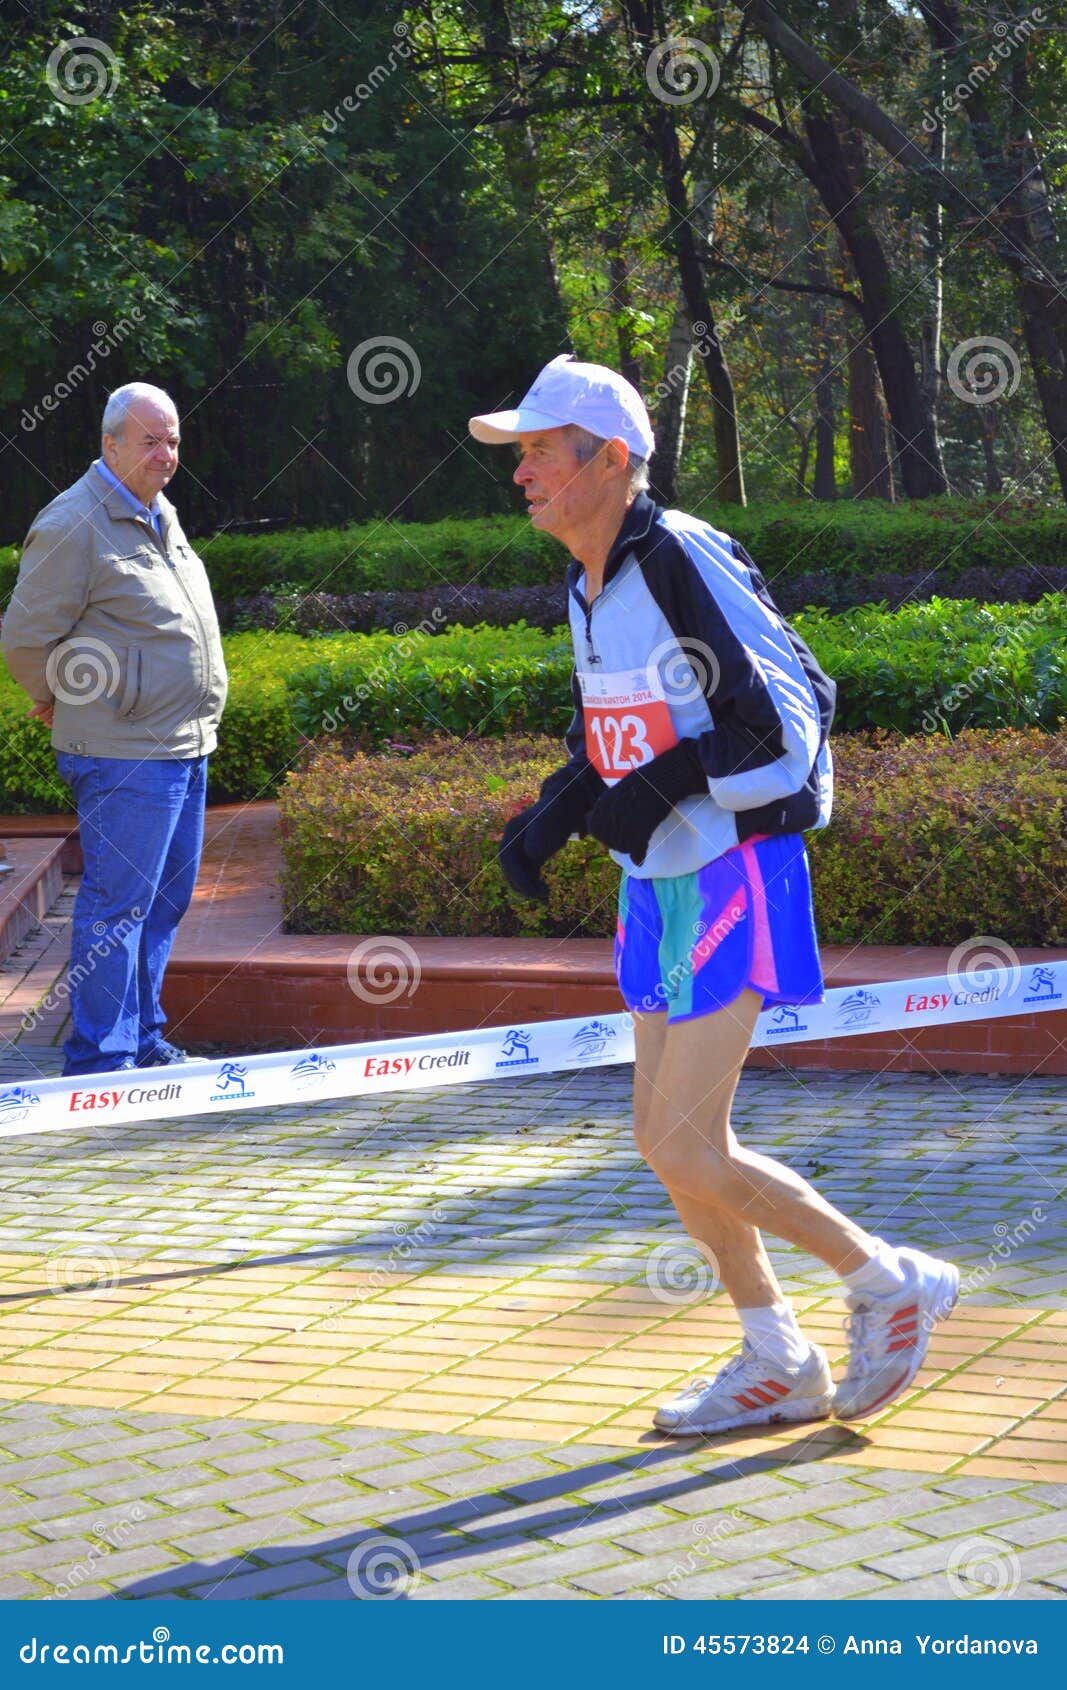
(914, 446)
(1040, 292)
(670, 419)
(994, 481)
(621, 301)
(933, 228)
(663, 134)
(824, 485)
(519, 147)
(868, 434)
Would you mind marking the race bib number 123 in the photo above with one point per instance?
(627, 721)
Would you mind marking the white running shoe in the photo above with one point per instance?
(750, 1391)
(888, 1335)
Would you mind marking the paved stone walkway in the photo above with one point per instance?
(410, 1347)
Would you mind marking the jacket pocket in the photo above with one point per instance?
(134, 690)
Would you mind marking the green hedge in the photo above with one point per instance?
(948, 537)
(932, 842)
(945, 665)
(851, 537)
(257, 743)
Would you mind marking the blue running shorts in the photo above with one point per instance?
(691, 943)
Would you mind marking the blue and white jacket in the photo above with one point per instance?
(686, 601)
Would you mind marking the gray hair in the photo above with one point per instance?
(120, 401)
(586, 447)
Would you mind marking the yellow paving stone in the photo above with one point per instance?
(21, 1373)
(448, 1386)
(1023, 1472)
(338, 1400)
(534, 1431)
(410, 1420)
(597, 1396)
(274, 1372)
(932, 1418)
(572, 1359)
(499, 1367)
(1033, 1447)
(954, 1444)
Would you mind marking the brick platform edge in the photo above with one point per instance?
(236, 980)
(507, 983)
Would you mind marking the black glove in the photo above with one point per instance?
(628, 814)
(567, 797)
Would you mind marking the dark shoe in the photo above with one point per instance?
(163, 1056)
(104, 1068)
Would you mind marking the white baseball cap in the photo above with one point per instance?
(590, 395)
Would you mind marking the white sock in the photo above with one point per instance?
(880, 1275)
(774, 1332)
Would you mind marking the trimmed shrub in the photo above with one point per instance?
(931, 842)
(944, 665)
(499, 551)
(852, 537)
(942, 541)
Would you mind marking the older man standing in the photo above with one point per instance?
(698, 754)
(112, 631)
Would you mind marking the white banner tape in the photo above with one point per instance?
(493, 1053)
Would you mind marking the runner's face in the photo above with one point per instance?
(562, 494)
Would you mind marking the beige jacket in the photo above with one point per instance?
(119, 627)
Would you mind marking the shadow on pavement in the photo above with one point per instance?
(384, 1562)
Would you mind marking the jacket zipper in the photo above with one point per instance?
(205, 648)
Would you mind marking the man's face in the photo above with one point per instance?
(562, 494)
(145, 455)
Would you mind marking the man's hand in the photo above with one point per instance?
(45, 711)
(628, 814)
(567, 797)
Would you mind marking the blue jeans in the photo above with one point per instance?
(142, 829)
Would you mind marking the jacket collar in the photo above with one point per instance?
(120, 508)
(637, 522)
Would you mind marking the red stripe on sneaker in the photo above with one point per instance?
(773, 1385)
(761, 1395)
(898, 1314)
(886, 1395)
(902, 1344)
(746, 1402)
